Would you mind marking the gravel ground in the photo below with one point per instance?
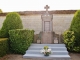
(74, 56)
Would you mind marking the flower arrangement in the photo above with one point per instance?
(46, 51)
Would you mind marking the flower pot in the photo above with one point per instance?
(46, 54)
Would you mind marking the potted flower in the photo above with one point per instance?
(46, 51)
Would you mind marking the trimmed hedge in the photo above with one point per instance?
(12, 21)
(4, 47)
(75, 26)
(20, 40)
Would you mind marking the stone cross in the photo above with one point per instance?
(46, 7)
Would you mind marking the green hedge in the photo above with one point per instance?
(4, 47)
(20, 40)
(12, 21)
(69, 39)
(75, 26)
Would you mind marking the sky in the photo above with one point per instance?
(38, 5)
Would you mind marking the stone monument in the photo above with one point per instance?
(47, 29)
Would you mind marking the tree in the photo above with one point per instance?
(12, 21)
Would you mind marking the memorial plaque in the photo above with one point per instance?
(47, 26)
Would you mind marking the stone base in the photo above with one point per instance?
(47, 38)
(50, 59)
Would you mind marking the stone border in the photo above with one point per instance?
(42, 12)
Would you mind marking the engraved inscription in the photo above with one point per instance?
(47, 26)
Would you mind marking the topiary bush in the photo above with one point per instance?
(12, 21)
(69, 39)
(75, 26)
(4, 47)
(20, 40)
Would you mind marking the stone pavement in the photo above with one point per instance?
(74, 56)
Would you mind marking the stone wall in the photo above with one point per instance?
(61, 22)
(1, 20)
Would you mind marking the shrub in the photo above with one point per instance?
(20, 40)
(75, 26)
(69, 39)
(4, 47)
(12, 21)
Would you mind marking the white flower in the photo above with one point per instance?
(49, 50)
(46, 51)
(42, 51)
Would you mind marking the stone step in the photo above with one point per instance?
(52, 52)
(50, 45)
(58, 52)
(42, 56)
(52, 48)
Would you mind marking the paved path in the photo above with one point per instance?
(74, 56)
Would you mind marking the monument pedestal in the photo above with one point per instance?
(47, 38)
